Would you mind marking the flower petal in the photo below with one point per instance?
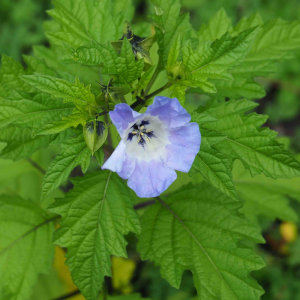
(116, 160)
(150, 179)
(185, 144)
(122, 116)
(170, 111)
(120, 162)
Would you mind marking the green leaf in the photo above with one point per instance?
(26, 246)
(74, 152)
(145, 78)
(72, 120)
(127, 297)
(170, 25)
(123, 64)
(52, 56)
(96, 230)
(217, 26)
(20, 143)
(276, 41)
(239, 88)
(93, 20)
(266, 196)
(36, 65)
(213, 165)
(178, 91)
(99, 154)
(76, 92)
(174, 52)
(10, 77)
(198, 229)
(127, 66)
(31, 110)
(214, 60)
(254, 146)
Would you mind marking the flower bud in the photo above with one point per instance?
(177, 71)
(95, 133)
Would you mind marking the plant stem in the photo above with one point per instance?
(152, 80)
(66, 296)
(166, 86)
(144, 204)
(34, 164)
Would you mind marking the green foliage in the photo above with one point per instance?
(74, 152)
(97, 229)
(100, 21)
(95, 61)
(198, 229)
(20, 144)
(31, 110)
(264, 196)
(25, 246)
(75, 93)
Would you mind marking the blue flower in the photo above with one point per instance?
(154, 144)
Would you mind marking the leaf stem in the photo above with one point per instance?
(152, 80)
(69, 295)
(35, 228)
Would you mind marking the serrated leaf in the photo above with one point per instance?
(25, 246)
(275, 41)
(178, 91)
(76, 92)
(239, 88)
(170, 25)
(105, 55)
(50, 56)
(214, 60)
(20, 143)
(145, 78)
(217, 26)
(74, 152)
(10, 73)
(254, 146)
(31, 110)
(174, 52)
(130, 69)
(127, 297)
(266, 196)
(198, 229)
(95, 20)
(97, 230)
(214, 165)
(36, 65)
(72, 120)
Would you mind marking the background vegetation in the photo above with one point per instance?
(21, 24)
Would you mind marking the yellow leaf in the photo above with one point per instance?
(288, 231)
(122, 272)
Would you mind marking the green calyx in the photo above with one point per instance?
(95, 134)
(177, 71)
(140, 45)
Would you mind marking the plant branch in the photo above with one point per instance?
(166, 86)
(34, 164)
(66, 296)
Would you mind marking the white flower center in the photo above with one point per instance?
(146, 139)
